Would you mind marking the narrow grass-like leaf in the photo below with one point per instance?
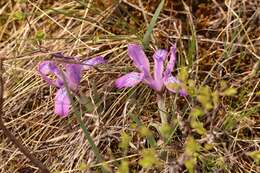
(147, 35)
(192, 48)
(83, 127)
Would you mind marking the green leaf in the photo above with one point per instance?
(19, 15)
(208, 147)
(229, 92)
(83, 166)
(39, 35)
(174, 86)
(191, 146)
(198, 127)
(183, 74)
(123, 168)
(190, 164)
(147, 35)
(215, 98)
(205, 101)
(220, 162)
(165, 131)
(192, 47)
(125, 140)
(191, 151)
(196, 112)
(204, 97)
(83, 126)
(144, 132)
(230, 122)
(205, 90)
(255, 155)
(149, 158)
(191, 87)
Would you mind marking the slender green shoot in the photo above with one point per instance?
(147, 35)
(83, 127)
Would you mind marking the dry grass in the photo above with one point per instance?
(227, 48)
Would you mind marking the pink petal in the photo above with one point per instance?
(137, 54)
(73, 75)
(129, 80)
(183, 92)
(62, 103)
(171, 62)
(159, 57)
(87, 64)
(171, 80)
(48, 67)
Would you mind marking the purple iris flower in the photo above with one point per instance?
(161, 78)
(72, 75)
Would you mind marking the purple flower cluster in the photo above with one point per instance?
(71, 75)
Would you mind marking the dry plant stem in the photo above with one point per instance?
(162, 108)
(10, 136)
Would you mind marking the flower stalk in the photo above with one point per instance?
(162, 108)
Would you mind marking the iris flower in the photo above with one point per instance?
(72, 75)
(161, 78)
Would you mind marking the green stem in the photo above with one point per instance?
(89, 138)
(83, 127)
(162, 108)
(87, 135)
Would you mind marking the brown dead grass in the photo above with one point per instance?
(227, 39)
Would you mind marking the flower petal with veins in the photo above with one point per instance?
(168, 81)
(87, 64)
(129, 80)
(48, 67)
(62, 103)
(73, 75)
(172, 61)
(141, 61)
(159, 57)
